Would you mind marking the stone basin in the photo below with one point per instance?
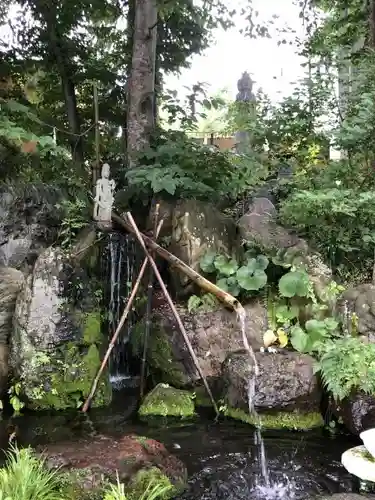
(359, 462)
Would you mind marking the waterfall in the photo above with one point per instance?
(121, 264)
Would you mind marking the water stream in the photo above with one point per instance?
(121, 264)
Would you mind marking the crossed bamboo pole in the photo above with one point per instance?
(130, 226)
(119, 327)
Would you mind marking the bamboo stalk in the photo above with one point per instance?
(148, 309)
(202, 282)
(118, 329)
(173, 308)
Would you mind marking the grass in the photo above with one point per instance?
(154, 491)
(26, 477)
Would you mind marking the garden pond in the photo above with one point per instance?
(225, 460)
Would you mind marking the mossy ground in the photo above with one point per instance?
(167, 401)
(279, 420)
(159, 354)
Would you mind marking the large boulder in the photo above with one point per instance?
(11, 281)
(57, 342)
(30, 219)
(193, 228)
(213, 335)
(286, 383)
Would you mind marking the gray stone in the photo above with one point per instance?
(213, 336)
(56, 340)
(286, 381)
(194, 228)
(259, 227)
(30, 220)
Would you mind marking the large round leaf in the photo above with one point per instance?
(299, 339)
(262, 262)
(249, 281)
(294, 283)
(207, 262)
(225, 266)
(229, 285)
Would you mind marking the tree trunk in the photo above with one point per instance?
(56, 47)
(141, 88)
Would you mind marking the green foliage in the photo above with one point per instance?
(25, 477)
(75, 218)
(348, 364)
(182, 168)
(236, 277)
(205, 303)
(339, 222)
(295, 284)
(15, 397)
(312, 337)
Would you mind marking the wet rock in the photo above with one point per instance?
(167, 401)
(30, 220)
(213, 336)
(56, 343)
(357, 412)
(286, 381)
(194, 228)
(133, 457)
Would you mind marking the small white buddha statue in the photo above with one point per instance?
(103, 201)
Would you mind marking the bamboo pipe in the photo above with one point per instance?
(202, 282)
(173, 308)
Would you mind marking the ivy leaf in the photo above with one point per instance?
(207, 262)
(294, 283)
(249, 281)
(225, 266)
(299, 339)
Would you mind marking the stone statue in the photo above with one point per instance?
(245, 88)
(104, 198)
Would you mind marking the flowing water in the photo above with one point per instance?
(121, 262)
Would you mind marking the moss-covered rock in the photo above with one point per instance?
(167, 401)
(159, 353)
(279, 420)
(57, 342)
(67, 380)
(83, 484)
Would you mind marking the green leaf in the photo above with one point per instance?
(225, 266)
(193, 303)
(262, 262)
(299, 339)
(207, 262)
(251, 281)
(294, 283)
